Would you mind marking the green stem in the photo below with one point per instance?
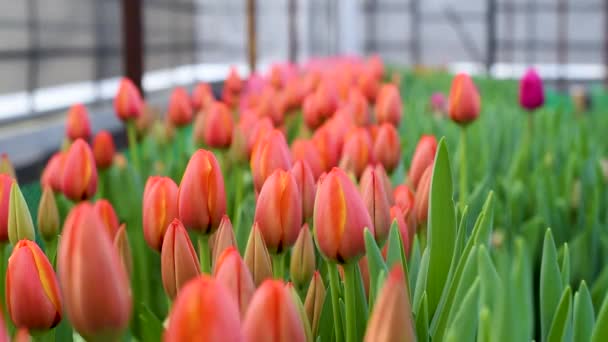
(132, 137)
(278, 265)
(334, 283)
(51, 250)
(463, 166)
(350, 288)
(203, 251)
(101, 183)
(43, 336)
(529, 136)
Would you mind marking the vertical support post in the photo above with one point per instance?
(509, 52)
(606, 43)
(562, 41)
(98, 13)
(531, 32)
(132, 41)
(293, 30)
(490, 34)
(34, 53)
(251, 35)
(370, 27)
(415, 48)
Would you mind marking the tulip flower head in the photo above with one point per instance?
(108, 216)
(357, 152)
(48, 215)
(531, 92)
(6, 167)
(404, 198)
(389, 107)
(159, 209)
(313, 304)
(387, 147)
(128, 103)
(306, 150)
(464, 102)
(222, 239)
(217, 128)
(424, 155)
(421, 200)
(6, 183)
(270, 153)
(306, 186)
(79, 180)
(231, 271)
(20, 225)
(376, 201)
(202, 96)
(180, 108)
(52, 175)
(121, 242)
(178, 259)
(302, 264)
(77, 124)
(103, 149)
(257, 257)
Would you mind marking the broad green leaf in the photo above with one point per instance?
(491, 285)
(153, 326)
(361, 302)
(422, 319)
(420, 287)
(395, 246)
(485, 221)
(599, 289)
(414, 262)
(520, 295)
(562, 318)
(441, 227)
(326, 326)
(583, 315)
(375, 263)
(600, 332)
(565, 265)
(464, 325)
(485, 327)
(460, 238)
(550, 284)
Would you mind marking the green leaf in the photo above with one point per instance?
(422, 319)
(599, 289)
(441, 227)
(562, 318)
(464, 325)
(485, 221)
(360, 302)
(414, 262)
(565, 265)
(420, 287)
(485, 327)
(600, 332)
(550, 284)
(520, 296)
(244, 221)
(326, 320)
(375, 263)
(395, 246)
(153, 326)
(583, 315)
(491, 285)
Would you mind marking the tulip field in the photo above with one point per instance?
(337, 200)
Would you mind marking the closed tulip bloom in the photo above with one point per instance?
(159, 209)
(340, 218)
(257, 257)
(32, 292)
(375, 65)
(231, 271)
(103, 149)
(404, 198)
(20, 225)
(121, 243)
(328, 146)
(369, 85)
(311, 112)
(357, 152)
(80, 173)
(233, 83)
(376, 201)
(424, 155)
(180, 109)
(204, 311)
(52, 175)
(278, 211)
(202, 96)
(359, 107)
(178, 259)
(108, 216)
(6, 183)
(306, 186)
(407, 233)
(327, 98)
(268, 106)
(6, 167)
(531, 92)
(93, 280)
(270, 154)
(128, 103)
(259, 130)
(273, 316)
(302, 263)
(381, 173)
(222, 239)
(217, 130)
(387, 148)
(391, 318)
(306, 150)
(438, 102)
(48, 214)
(201, 199)
(313, 304)
(77, 123)
(464, 102)
(421, 199)
(389, 107)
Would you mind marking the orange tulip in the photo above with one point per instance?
(389, 107)
(357, 151)
(278, 211)
(77, 124)
(259, 129)
(407, 234)
(5, 192)
(103, 149)
(391, 318)
(327, 98)
(222, 239)
(257, 257)
(159, 209)
(421, 200)
(315, 298)
(128, 103)
(178, 259)
(270, 153)
(424, 155)
(359, 107)
(52, 175)
(368, 84)
(32, 292)
(306, 186)
(464, 100)
(180, 109)
(204, 310)
(387, 148)
(201, 198)
(306, 150)
(217, 127)
(311, 112)
(267, 106)
(202, 96)
(231, 271)
(375, 65)
(80, 173)
(382, 176)
(108, 216)
(404, 199)
(273, 316)
(376, 201)
(302, 263)
(93, 280)
(340, 216)
(233, 82)
(328, 145)
(121, 243)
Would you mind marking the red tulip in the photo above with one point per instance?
(267, 106)
(404, 198)
(6, 167)
(108, 216)
(32, 291)
(180, 109)
(93, 280)
(273, 316)
(387, 148)
(5, 191)
(159, 209)
(270, 154)
(375, 66)
(389, 107)
(424, 155)
(359, 107)
(307, 151)
(259, 129)
(202, 96)
(340, 216)
(128, 103)
(103, 149)
(306, 186)
(202, 196)
(357, 151)
(375, 199)
(407, 233)
(421, 201)
(368, 84)
(204, 311)
(77, 124)
(329, 146)
(327, 98)
(233, 82)
(464, 100)
(52, 175)
(80, 173)
(531, 93)
(121, 243)
(217, 128)
(382, 176)
(278, 211)
(311, 112)
(231, 271)
(178, 259)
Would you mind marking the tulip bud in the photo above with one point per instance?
(202, 198)
(204, 310)
(307, 151)
(387, 148)
(77, 125)
(257, 257)
(531, 93)
(223, 238)
(327, 98)
(108, 216)
(464, 100)
(178, 259)
(302, 258)
(6, 167)
(32, 292)
(391, 318)
(259, 130)
(270, 154)
(233, 82)
(269, 106)
(231, 271)
(80, 174)
(278, 211)
(20, 225)
(272, 315)
(368, 84)
(121, 242)
(315, 297)
(439, 103)
(217, 126)
(424, 155)
(375, 199)
(340, 218)
(128, 103)
(93, 280)
(421, 200)
(48, 215)
(306, 186)
(311, 112)
(404, 199)
(180, 109)
(328, 146)
(159, 209)
(202, 96)
(103, 149)
(357, 152)
(52, 175)
(407, 234)
(389, 107)
(6, 183)
(381, 173)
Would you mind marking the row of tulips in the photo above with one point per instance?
(283, 186)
